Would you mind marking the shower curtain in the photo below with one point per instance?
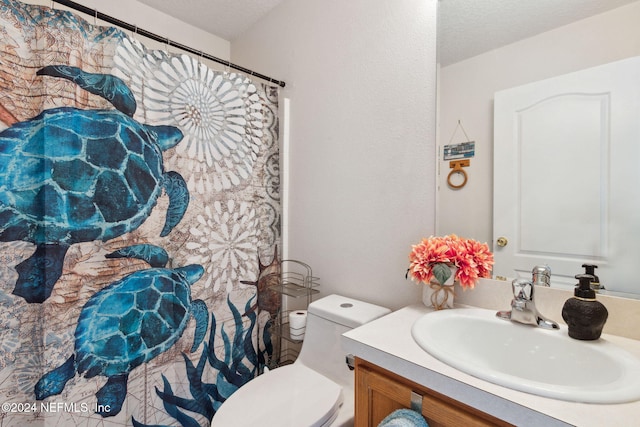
(139, 227)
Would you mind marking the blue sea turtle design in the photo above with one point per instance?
(71, 175)
(128, 323)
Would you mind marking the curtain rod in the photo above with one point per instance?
(115, 21)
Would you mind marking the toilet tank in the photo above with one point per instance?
(327, 319)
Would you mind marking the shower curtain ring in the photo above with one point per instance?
(95, 16)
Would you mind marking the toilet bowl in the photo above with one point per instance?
(317, 389)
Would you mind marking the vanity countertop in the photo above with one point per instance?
(387, 342)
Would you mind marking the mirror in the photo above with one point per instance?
(487, 47)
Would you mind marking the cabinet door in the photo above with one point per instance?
(380, 392)
(377, 396)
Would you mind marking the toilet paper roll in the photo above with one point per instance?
(297, 324)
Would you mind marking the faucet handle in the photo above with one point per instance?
(541, 269)
(541, 275)
(522, 289)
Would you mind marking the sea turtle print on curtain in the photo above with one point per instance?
(74, 175)
(139, 176)
(126, 324)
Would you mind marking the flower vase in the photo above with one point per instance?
(439, 295)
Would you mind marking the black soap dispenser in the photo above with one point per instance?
(595, 283)
(584, 316)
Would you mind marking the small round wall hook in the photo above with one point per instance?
(457, 169)
(464, 178)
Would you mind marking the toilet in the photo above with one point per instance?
(317, 389)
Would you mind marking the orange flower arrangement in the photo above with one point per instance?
(431, 258)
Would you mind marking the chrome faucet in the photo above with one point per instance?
(523, 307)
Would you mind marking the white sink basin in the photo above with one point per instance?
(528, 358)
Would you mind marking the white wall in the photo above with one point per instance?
(466, 94)
(360, 77)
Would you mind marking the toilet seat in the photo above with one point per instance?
(293, 395)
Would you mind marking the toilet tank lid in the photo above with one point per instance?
(346, 311)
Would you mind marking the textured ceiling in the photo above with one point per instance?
(465, 27)
(469, 27)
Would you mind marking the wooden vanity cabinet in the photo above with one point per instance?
(379, 392)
